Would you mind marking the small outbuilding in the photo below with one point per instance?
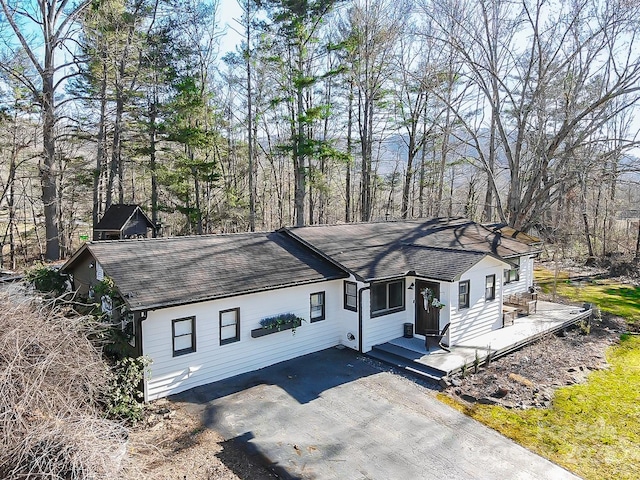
(122, 221)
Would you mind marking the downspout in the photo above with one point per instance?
(360, 316)
(142, 315)
(145, 390)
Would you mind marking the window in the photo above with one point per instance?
(317, 306)
(128, 327)
(490, 287)
(387, 297)
(512, 274)
(351, 296)
(99, 272)
(229, 326)
(463, 294)
(184, 335)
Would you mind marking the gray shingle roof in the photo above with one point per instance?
(509, 232)
(441, 249)
(117, 215)
(161, 272)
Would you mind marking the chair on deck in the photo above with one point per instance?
(435, 339)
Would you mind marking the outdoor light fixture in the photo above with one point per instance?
(411, 286)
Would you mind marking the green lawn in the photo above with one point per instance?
(592, 429)
(614, 298)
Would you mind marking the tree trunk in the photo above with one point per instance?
(487, 213)
(196, 184)
(11, 200)
(153, 117)
(252, 173)
(637, 255)
(48, 165)
(347, 198)
(587, 234)
(101, 151)
(367, 160)
(115, 148)
(298, 155)
(408, 175)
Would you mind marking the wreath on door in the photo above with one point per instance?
(429, 299)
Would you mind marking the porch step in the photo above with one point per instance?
(403, 359)
(402, 352)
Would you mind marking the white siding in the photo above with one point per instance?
(383, 328)
(211, 361)
(482, 316)
(349, 319)
(525, 278)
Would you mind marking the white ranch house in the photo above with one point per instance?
(194, 305)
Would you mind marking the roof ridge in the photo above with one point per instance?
(179, 237)
(449, 221)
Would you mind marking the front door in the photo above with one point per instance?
(427, 316)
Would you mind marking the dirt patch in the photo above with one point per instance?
(528, 377)
(172, 444)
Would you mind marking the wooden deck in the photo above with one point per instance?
(411, 354)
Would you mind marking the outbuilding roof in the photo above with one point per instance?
(117, 216)
(440, 249)
(163, 272)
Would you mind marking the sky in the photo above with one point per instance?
(229, 10)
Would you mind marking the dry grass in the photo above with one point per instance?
(52, 380)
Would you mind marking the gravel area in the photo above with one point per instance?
(171, 444)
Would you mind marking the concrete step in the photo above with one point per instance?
(399, 351)
(423, 371)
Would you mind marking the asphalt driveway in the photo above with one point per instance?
(336, 415)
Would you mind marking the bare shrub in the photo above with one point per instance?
(53, 382)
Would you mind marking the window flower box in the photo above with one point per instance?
(279, 323)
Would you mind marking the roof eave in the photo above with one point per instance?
(75, 256)
(158, 306)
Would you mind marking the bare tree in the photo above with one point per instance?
(51, 22)
(370, 31)
(564, 69)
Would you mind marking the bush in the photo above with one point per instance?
(125, 397)
(47, 280)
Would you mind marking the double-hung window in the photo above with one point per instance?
(490, 288)
(351, 296)
(387, 297)
(463, 293)
(512, 274)
(229, 326)
(317, 306)
(184, 335)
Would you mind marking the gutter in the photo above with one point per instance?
(180, 303)
(362, 289)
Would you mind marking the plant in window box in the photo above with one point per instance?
(278, 323)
